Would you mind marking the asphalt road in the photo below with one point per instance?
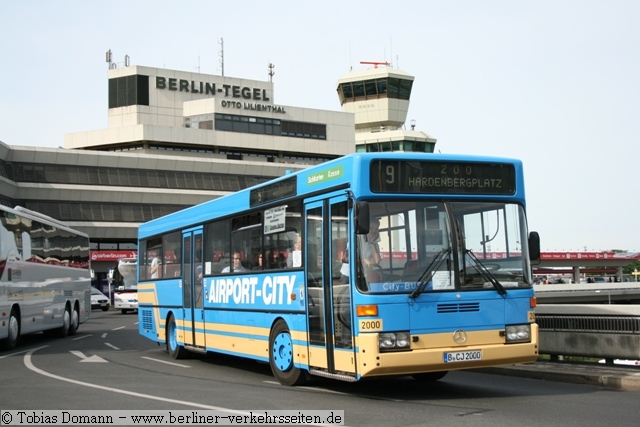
(108, 366)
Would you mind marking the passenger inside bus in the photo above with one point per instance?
(154, 268)
(258, 262)
(370, 247)
(344, 267)
(237, 264)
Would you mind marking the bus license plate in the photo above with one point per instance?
(463, 356)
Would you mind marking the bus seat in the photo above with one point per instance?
(373, 275)
(411, 267)
(172, 270)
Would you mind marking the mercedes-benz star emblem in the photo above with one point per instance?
(459, 336)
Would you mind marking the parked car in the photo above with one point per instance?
(99, 300)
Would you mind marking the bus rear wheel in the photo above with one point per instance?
(429, 376)
(175, 350)
(13, 336)
(281, 356)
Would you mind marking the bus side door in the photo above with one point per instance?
(192, 288)
(329, 299)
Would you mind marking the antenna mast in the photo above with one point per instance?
(221, 54)
(271, 72)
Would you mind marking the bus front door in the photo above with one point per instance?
(329, 314)
(192, 289)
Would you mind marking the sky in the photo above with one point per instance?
(555, 83)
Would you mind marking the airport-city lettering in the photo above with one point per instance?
(249, 290)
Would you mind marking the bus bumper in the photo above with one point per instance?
(434, 353)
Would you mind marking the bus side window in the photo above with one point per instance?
(172, 254)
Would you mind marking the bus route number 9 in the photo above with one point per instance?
(370, 325)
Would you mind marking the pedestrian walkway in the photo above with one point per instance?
(616, 377)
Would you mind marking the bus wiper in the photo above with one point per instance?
(426, 277)
(485, 273)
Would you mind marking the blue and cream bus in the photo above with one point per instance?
(280, 272)
(45, 276)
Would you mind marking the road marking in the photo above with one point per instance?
(112, 346)
(164, 361)
(121, 327)
(13, 354)
(82, 337)
(84, 358)
(104, 335)
(32, 367)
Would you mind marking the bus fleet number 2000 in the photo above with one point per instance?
(370, 325)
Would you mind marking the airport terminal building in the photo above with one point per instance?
(175, 139)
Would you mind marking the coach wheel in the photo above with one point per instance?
(281, 356)
(75, 321)
(13, 335)
(175, 350)
(430, 376)
(63, 331)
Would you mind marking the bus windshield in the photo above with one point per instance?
(443, 246)
(128, 268)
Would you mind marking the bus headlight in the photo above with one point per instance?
(391, 341)
(518, 333)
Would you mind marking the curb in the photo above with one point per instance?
(604, 376)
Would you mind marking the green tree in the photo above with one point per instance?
(629, 268)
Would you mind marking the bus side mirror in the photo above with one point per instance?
(362, 217)
(534, 246)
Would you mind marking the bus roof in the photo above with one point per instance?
(337, 173)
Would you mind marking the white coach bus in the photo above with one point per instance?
(45, 276)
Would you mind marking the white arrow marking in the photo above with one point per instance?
(84, 358)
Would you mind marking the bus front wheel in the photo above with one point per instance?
(281, 356)
(11, 341)
(175, 350)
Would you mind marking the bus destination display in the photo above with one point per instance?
(439, 177)
(272, 192)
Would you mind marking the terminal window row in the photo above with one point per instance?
(67, 211)
(89, 175)
(258, 125)
(112, 246)
(232, 153)
(409, 146)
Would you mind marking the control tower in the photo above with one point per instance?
(379, 99)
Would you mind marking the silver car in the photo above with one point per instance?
(99, 300)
